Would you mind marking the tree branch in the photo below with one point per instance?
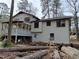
(70, 3)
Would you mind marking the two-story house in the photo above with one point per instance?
(27, 27)
(54, 29)
(20, 27)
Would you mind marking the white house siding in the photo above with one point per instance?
(21, 32)
(21, 17)
(61, 34)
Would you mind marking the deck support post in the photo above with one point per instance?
(16, 33)
(15, 39)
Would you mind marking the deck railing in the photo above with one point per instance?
(21, 32)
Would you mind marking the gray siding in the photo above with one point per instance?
(61, 34)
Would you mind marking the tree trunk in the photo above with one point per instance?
(76, 24)
(10, 22)
(36, 55)
(77, 30)
(56, 54)
(23, 49)
(71, 52)
(48, 9)
(56, 11)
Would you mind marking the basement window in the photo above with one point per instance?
(36, 25)
(51, 36)
(35, 35)
(48, 23)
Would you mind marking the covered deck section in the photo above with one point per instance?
(20, 31)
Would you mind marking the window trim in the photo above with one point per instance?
(63, 24)
(36, 25)
(52, 36)
(35, 35)
(59, 23)
(48, 23)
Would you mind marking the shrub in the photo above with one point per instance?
(7, 44)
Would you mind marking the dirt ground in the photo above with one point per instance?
(8, 55)
(13, 55)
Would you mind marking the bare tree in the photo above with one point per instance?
(23, 5)
(56, 8)
(4, 9)
(74, 8)
(51, 8)
(32, 9)
(45, 8)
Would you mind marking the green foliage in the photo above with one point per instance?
(1, 37)
(7, 44)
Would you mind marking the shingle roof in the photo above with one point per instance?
(54, 19)
(21, 12)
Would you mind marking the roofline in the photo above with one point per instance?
(21, 12)
(12, 21)
(54, 19)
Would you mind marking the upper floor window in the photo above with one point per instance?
(27, 19)
(60, 23)
(36, 25)
(48, 23)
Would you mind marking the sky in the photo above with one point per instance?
(36, 4)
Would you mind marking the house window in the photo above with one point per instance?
(51, 36)
(27, 19)
(36, 25)
(35, 35)
(61, 23)
(48, 23)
